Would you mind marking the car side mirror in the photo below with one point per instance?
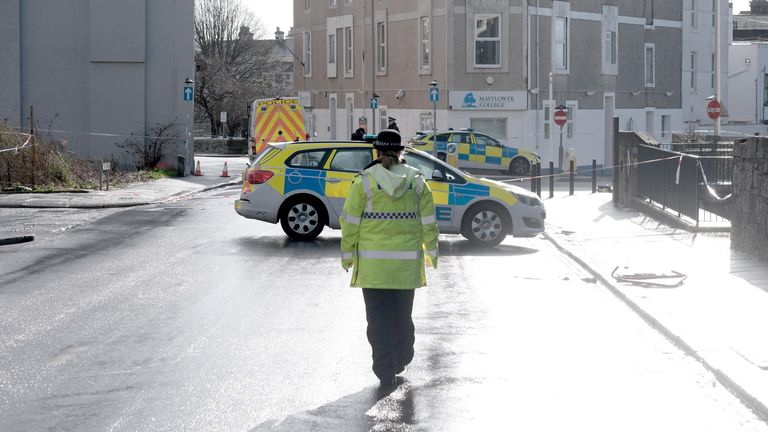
(437, 175)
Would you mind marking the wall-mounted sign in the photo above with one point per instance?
(487, 100)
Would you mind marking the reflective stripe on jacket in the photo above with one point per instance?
(388, 228)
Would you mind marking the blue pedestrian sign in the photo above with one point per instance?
(434, 94)
(188, 93)
(374, 103)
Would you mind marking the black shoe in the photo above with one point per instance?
(389, 381)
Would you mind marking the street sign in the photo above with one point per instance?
(713, 109)
(188, 93)
(434, 94)
(374, 103)
(561, 117)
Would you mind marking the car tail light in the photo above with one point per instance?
(259, 176)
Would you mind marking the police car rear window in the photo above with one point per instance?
(308, 159)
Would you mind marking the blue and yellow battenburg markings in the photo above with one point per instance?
(443, 213)
(305, 179)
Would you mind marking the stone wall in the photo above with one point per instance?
(224, 146)
(749, 224)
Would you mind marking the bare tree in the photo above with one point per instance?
(758, 7)
(235, 61)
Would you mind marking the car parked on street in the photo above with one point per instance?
(476, 150)
(303, 186)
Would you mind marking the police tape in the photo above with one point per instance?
(587, 171)
(17, 148)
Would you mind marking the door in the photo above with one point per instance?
(445, 209)
(493, 152)
(342, 166)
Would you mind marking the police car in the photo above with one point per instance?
(476, 150)
(302, 185)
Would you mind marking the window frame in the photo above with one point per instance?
(307, 53)
(652, 48)
(381, 47)
(332, 49)
(561, 46)
(693, 84)
(425, 43)
(497, 40)
(349, 52)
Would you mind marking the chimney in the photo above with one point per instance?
(279, 35)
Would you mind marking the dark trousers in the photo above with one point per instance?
(390, 329)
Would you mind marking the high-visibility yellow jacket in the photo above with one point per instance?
(388, 228)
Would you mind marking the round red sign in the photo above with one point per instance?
(561, 117)
(713, 109)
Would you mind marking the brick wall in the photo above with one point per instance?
(749, 224)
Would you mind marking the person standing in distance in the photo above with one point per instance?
(389, 233)
(393, 124)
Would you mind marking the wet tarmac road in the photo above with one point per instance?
(185, 316)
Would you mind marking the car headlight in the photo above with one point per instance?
(529, 200)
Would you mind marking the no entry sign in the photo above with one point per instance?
(561, 117)
(713, 109)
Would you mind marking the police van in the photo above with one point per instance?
(275, 120)
(303, 186)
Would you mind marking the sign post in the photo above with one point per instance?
(560, 117)
(434, 97)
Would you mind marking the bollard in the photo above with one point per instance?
(571, 176)
(181, 164)
(538, 179)
(594, 175)
(551, 179)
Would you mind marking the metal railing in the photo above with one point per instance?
(688, 186)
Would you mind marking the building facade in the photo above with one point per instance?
(502, 67)
(99, 73)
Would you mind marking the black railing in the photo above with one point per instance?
(685, 185)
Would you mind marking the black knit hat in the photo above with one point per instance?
(388, 140)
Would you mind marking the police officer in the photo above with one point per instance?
(389, 233)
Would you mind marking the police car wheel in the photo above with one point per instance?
(302, 219)
(519, 166)
(485, 225)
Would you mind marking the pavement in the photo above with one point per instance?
(709, 300)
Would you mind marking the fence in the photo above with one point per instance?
(693, 188)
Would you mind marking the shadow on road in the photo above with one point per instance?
(372, 409)
(281, 246)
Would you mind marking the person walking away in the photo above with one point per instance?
(389, 233)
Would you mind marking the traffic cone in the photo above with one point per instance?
(198, 172)
(225, 173)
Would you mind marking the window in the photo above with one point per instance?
(487, 141)
(693, 14)
(495, 127)
(649, 12)
(610, 47)
(610, 28)
(353, 160)
(425, 121)
(348, 52)
(714, 12)
(332, 3)
(331, 49)
(546, 122)
(428, 166)
(765, 90)
(561, 43)
(381, 47)
(307, 54)
(665, 126)
(693, 71)
(424, 55)
(569, 115)
(487, 40)
(307, 159)
(650, 65)
(306, 5)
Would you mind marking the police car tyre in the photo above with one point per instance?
(441, 156)
(302, 218)
(485, 224)
(519, 166)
